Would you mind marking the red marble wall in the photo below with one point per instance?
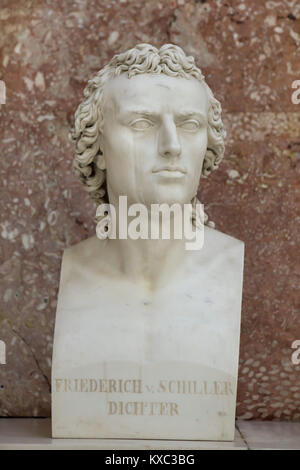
(249, 53)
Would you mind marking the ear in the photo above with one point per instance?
(100, 162)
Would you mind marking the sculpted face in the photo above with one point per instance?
(154, 138)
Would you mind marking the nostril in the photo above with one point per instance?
(171, 148)
(174, 152)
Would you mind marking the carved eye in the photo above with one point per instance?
(190, 125)
(141, 124)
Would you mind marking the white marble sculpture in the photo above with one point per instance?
(147, 332)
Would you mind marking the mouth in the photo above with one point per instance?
(170, 172)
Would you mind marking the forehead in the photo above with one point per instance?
(156, 93)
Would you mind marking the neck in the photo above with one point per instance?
(150, 262)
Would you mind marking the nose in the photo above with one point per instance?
(169, 144)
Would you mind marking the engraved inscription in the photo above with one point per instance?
(99, 385)
(137, 386)
(187, 387)
(142, 408)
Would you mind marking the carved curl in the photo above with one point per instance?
(144, 58)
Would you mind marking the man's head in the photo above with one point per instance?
(148, 127)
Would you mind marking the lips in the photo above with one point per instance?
(170, 169)
(170, 173)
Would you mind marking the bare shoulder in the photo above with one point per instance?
(213, 239)
(86, 258)
(85, 249)
(218, 247)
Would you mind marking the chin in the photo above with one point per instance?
(171, 197)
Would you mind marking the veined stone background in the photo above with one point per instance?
(249, 53)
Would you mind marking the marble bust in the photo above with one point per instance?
(147, 332)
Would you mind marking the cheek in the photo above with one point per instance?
(197, 150)
(117, 152)
(203, 141)
(116, 145)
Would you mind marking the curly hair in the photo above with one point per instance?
(144, 58)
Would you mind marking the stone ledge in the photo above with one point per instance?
(35, 434)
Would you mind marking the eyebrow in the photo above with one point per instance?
(191, 113)
(179, 115)
(140, 111)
